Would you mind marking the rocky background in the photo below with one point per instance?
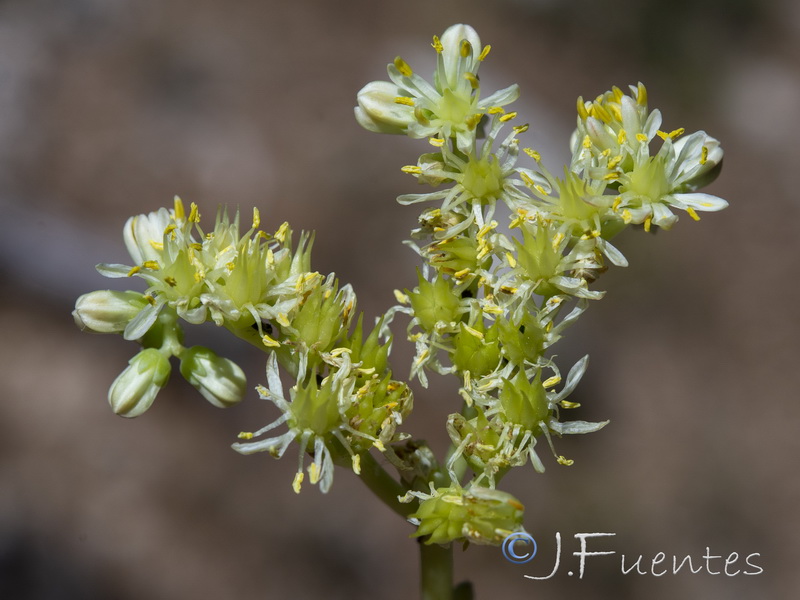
(111, 107)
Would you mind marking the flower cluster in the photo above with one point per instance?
(262, 289)
(491, 301)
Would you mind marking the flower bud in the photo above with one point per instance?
(219, 380)
(480, 515)
(377, 110)
(134, 390)
(107, 311)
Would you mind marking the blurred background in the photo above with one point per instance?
(109, 108)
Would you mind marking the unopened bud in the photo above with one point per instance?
(220, 380)
(134, 390)
(107, 311)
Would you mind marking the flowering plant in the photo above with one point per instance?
(489, 303)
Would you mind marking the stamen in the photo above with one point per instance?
(403, 67)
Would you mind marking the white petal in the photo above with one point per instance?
(575, 427)
(114, 271)
(142, 322)
(701, 201)
(501, 97)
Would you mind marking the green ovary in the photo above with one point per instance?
(453, 108)
(483, 179)
(648, 180)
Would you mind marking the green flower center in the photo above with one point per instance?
(483, 179)
(453, 107)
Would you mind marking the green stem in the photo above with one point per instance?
(383, 485)
(436, 563)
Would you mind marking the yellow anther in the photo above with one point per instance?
(599, 111)
(465, 48)
(582, 112)
(611, 176)
(606, 153)
(507, 289)
(283, 320)
(194, 213)
(587, 142)
(704, 155)
(314, 472)
(467, 380)
(641, 137)
(512, 262)
(615, 161)
(641, 96)
(647, 223)
(405, 100)
(614, 108)
(298, 482)
(461, 274)
(557, 239)
(411, 170)
(283, 230)
(533, 154)
(627, 217)
(616, 94)
(472, 121)
(693, 213)
(150, 299)
(676, 133)
(551, 381)
(473, 332)
(508, 116)
(256, 218)
(157, 245)
(568, 404)
(150, 264)
(379, 445)
(196, 246)
(420, 116)
(170, 281)
(357, 464)
(269, 342)
(473, 81)
(492, 309)
(486, 229)
(616, 204)
(622, 136)
(199, 276)
(496, 110)
(435, 141)
(567, 462)
(521, 128)
(270, 257)
(230, 266)
(180, 213)
(169, 230)
(485, 52)
(403, 67)
(245, 435)
(437, 45)
(527, 179)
